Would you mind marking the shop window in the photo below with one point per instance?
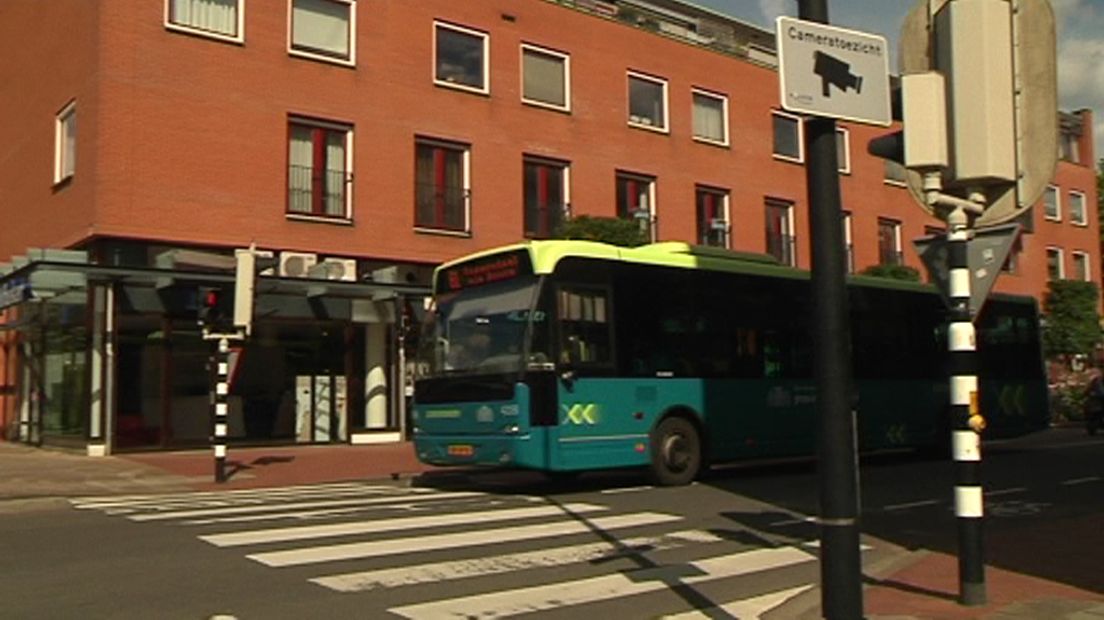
(647, 102)
(320, 160)
(545, 78)
(461, 58)
(546, 196)
(324, 29)
(442, 190)
(220, 19)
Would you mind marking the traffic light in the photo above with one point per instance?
(213, 308)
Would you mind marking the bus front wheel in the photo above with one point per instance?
(676, 452)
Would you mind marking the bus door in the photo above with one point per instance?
(595, 425)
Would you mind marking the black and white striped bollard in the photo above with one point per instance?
(222, 391)
(966, 421)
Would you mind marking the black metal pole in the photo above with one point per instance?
(840, 562)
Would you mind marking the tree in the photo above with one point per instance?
(895, 272)
(1072, 324)
(612, 230)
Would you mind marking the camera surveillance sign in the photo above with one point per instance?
(833, 72)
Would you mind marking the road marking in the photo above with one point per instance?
(124, 500)
(372, 501)
(553, 596)
(795, 521)
(285, 534)
(396, 546)
(625, 490)
(1005, 492)
(916, 504)
(746, 609)
(1075, 481)
(479, 567)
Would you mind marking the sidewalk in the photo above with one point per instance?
(914, 584)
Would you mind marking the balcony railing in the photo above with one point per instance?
(441, 207)
(784, 248)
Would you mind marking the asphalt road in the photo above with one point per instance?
(735, 543)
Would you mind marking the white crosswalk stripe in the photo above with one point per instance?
(402, 537)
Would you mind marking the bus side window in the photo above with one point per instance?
(584, 326)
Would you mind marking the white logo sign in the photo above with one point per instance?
(833, 72)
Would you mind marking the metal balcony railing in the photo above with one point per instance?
(317, 192)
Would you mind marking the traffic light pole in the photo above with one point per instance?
(840, 561)
(218, 401)
(966, 421)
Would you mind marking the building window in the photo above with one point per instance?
(710, 117)
(787, 137)
(320, 160)
(647, 102)
(460, 58)
(545, 77)
(781, 242)
(1052, 204)
(843, 150)
(442, 173)
(848, 243)
(65, 143)
(1081, 269)
(636, 201)
(1055, 268)
(713, 222)
(323, 29)
(546, 196)
(1069, 148)
(1077, 209)
(894, 173)
(1011, 264)
(221, 19)
(889, 242)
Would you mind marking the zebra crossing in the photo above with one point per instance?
(465, 550)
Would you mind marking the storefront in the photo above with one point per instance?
(111, 356)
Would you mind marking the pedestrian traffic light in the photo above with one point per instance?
(213, 308)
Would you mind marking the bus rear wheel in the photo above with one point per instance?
(676, 452)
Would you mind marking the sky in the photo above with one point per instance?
(1079, 25)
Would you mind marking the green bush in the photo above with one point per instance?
(895, 272)
(612, 230)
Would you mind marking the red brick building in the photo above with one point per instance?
(371, 139)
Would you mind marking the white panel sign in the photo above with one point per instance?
(834, 72)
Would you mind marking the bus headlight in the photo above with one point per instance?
(513, 429)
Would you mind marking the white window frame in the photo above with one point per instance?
(651, 181)
(700, 92)
(65, 163)
(1083, 218)
(790, 241)
(239, 38)
(304, 53)
(631, 75)
(1076, 255)
(843, 133)
(1061, 261)
(726, 214)
(800, 159)
(848, 247)
(566, 63)
(1057, 217)
(466, 150)
(334, 126)
(486, 37)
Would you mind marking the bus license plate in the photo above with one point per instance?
(460, 450)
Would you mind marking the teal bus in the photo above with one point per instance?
(567, 356)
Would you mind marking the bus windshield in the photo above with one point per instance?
(477, 330)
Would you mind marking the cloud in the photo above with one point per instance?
(772, 9)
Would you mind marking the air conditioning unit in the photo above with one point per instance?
(296, 264)
(344, 269)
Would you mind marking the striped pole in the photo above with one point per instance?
(966, 422)
(222, 390)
